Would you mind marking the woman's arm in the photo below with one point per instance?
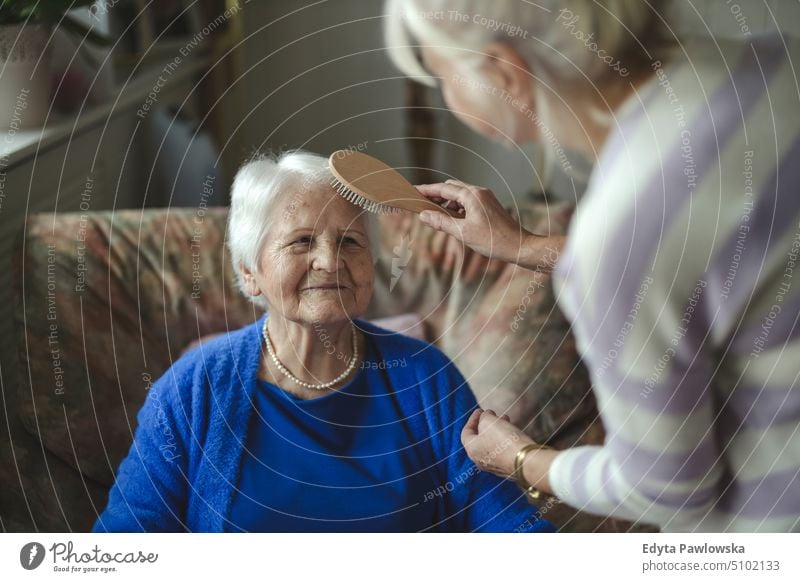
(150, 490)
(468, 498)
(487, 228)
(660, 463)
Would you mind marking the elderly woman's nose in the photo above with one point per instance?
(326, 257)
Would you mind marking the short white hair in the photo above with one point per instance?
(260, 183)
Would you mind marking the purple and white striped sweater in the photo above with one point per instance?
(682, 279)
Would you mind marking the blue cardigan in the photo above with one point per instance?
(182, 469)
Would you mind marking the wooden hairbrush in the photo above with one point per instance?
(376, 187)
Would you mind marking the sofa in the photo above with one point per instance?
(108, 300)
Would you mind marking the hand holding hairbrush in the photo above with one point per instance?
(376, 187)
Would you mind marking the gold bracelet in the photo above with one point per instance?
(530, 491)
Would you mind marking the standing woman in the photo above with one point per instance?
(679, 272)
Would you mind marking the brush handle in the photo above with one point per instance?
(378, 182)
(425, 204)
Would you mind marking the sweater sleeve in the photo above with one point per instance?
(150, 491)
(660, 462)
(470, 500)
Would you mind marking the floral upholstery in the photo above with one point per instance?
(108, 300)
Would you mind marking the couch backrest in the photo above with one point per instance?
(108, 301)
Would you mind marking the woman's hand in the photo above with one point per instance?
(486, 227)
(492, 442)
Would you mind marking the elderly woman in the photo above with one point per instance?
(679, 274)
(309, 419)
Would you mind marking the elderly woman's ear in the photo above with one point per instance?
(509, 72)
(249, 281)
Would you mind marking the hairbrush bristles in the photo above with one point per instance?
(357, 199)
(376, 187)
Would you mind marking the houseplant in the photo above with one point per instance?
(25, 30)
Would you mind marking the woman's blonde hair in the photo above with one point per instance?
(551, 35)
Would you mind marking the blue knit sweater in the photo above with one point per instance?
(184, 464)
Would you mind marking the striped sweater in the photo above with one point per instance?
(682, 279)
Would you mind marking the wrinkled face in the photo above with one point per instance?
(316, 264)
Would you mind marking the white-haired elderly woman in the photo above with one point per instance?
(677, 270)
(309, 419)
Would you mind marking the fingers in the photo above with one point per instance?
(487, 418)
(441, 221)
(490, 417)
(472, 421)
(462, 184)
(453, 204)
(493, 413)
(470, 430)
(449, 191)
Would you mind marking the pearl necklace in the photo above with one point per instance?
(295, 379)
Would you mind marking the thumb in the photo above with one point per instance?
(470, 430)
(440, 221)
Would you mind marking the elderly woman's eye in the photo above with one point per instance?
(303, 240)
(350, 242)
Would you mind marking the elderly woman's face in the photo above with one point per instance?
(316, 264)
